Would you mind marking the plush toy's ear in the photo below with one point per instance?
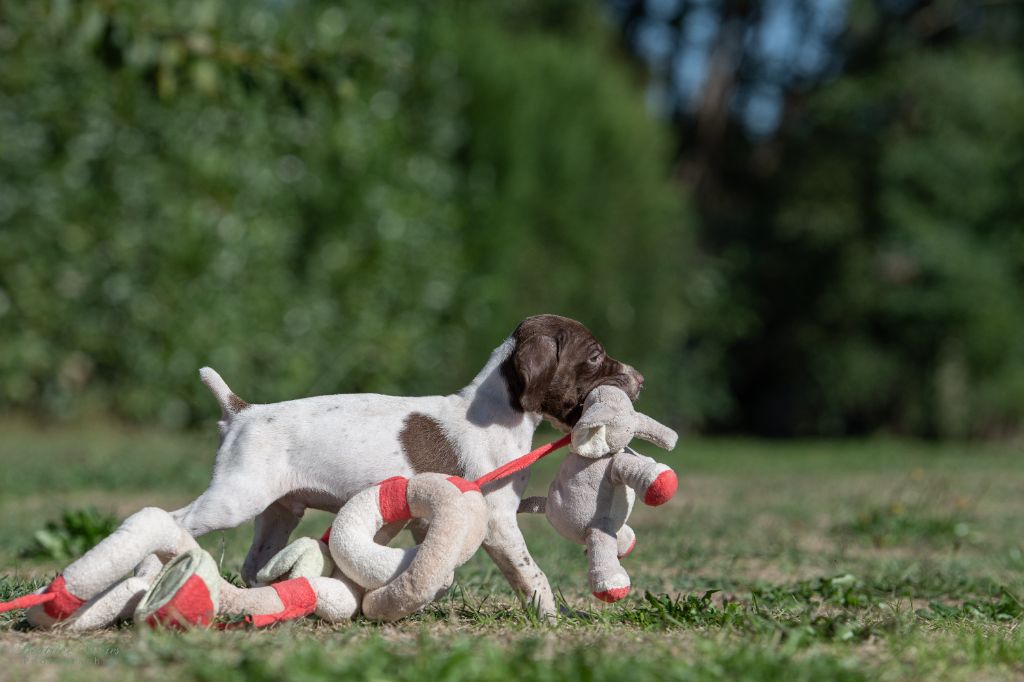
(590, 435)
(535, 362)
(655, 432)
(590, 441)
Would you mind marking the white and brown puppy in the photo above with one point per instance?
(279, 459)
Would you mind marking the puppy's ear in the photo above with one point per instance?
(536, 359)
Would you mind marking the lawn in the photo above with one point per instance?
(776, 560)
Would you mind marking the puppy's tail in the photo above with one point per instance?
(230, 404)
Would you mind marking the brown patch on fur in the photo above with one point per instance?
(426, 446)
(236, 404)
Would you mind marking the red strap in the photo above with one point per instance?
(298, 598)
(26, 602)
(526, 460)
(462, 484)
(393, 503)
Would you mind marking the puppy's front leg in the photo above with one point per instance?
(505, 545)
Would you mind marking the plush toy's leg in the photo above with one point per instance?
(654, 482)
(149, 568)
(333, 599)
(337, 598)
(304, 558)
(608, 581)
(112, 606)
(457, 513)
(263, 606)
(625, 540)
(148, 531)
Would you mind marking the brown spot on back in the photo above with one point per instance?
(426, 446)
(236, 404)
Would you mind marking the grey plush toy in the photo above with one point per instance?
(592, 496)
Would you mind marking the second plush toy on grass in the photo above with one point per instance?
(592, 496)
(177, 584)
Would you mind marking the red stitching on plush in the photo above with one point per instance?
(298, 598)
(63, 603)
(190, 605)
(394, 506)
(462, 484)
(326, 537)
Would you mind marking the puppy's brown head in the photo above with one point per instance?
(556, 362)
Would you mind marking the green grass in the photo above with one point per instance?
(812, 560)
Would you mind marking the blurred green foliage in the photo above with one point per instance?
(880, 261)
(318, 198)
(78, 531)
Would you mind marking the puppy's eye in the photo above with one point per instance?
(595, 357)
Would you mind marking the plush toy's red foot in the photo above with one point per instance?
(663, 488)
(181, 596)
(190, 605)
(629, 549)
(612, 595)
(298, 598)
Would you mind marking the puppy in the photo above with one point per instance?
(279, 459)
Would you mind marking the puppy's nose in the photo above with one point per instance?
(637, 378)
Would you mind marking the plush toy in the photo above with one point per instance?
(189, 591)
(93, 593)
(357, 571)
(398, 581)
(593, 493)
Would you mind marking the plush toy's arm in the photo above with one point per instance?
(654, 482)
(655, 432)
(304, 558)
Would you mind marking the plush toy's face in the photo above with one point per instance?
(556, 363)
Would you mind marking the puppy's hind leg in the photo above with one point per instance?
(273, 527)
(227, 503)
